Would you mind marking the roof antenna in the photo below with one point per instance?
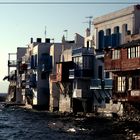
(45, 32)
(89, 22)
(66, 37)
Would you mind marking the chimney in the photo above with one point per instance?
(47, 40)
(31, 41)
(38, 40)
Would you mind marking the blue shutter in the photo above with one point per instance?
(113, 40)
(107, 41)
(118, 36)
(32, 62)
(35, 61)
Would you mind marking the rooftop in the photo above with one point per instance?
(120, 13)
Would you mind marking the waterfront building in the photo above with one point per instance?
(81, 74)
(60, 85)
(37, 76)
(70, 75)
(55, 53)
(65, 85)
(14, 91)
(124, 62)
(110, 29)
(110, 32)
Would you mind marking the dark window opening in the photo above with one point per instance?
(108, 38)
(116, 29)
(107, 75)
(100, 72)
(101, 39)
(108, 31)
(136, 83)
(43, 75)
(87, 44)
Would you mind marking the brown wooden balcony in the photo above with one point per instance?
(113, 65)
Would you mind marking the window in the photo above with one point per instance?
(136, 83)
(121, 84)
(107, 75)
(87, 44)
(108, 38)
(108, 31)
(129, 53)
(138, 51)
(116, 37)
(101, 39)
(116, 54)
(116, 29)
(124, 29)
(133, 52)
(78, 62)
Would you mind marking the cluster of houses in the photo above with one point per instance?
(83, 74)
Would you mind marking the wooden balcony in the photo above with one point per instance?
(129, 96)
(113, 65)
(80, 73)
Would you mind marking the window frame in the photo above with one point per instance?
(121, 84)
(133, 52)
(115, 54)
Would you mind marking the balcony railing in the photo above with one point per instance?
(99, 54)
(81, 51)
(95, 84)
(116, 64)
(101, 84)
(78, 73)
(108, 84)
(113, 65)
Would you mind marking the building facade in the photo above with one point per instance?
(15, 94)
(112, 28)
(37, 75)
(81, 75)
(59, 86)
(124, 63)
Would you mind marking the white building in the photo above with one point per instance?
(61, 53)
(37, 75)
(112, 28)
(110, 32)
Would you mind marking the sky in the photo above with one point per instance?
(20, 22)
